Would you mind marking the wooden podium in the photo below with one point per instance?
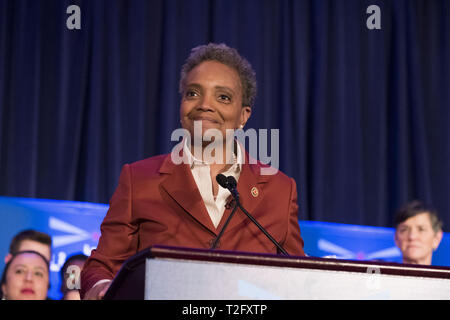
(174, 273)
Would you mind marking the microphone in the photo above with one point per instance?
(227, 183)
(231, 184)
(224, 183)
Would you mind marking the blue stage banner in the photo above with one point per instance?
(75, 228)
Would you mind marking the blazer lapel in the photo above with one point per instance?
(181, 186)
(250, 187)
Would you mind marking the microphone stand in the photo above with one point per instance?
(261, 227)
(213, 246)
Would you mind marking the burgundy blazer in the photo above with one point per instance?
(158, 202)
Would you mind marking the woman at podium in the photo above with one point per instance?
(175, 199)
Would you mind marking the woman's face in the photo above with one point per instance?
(416, 238)
(27, 278)
(213, 97)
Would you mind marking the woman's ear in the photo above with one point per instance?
(245, 114)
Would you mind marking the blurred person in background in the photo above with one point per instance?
(25, 277)
(70, 276)
(30, 240)
(418, 232)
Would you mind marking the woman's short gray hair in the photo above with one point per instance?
(229, 57)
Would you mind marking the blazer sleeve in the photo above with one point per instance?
(118, 239)
(293, 242)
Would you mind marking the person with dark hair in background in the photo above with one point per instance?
(418, 232)
(32, 240)
(25, 277)
(70, 276)
(160, 201)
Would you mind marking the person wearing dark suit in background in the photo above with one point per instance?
(162, 201)
(418, 232)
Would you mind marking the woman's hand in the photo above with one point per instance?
(97, 292)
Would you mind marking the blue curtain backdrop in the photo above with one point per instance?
(363, 114)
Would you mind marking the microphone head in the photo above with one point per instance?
(222, 180)
(232, 183)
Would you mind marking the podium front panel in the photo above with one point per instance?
(168, 278)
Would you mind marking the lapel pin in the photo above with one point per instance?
(255, 192)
